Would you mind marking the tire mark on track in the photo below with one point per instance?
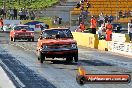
(22, 74)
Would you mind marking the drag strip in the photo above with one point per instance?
(17, 71)
(58, 73)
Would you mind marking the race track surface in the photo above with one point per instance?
(19, 60)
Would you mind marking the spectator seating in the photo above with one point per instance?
(109, 7)
(123, 20)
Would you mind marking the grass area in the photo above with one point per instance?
(32, 4)
(43, 18)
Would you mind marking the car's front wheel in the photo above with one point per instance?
(76, 57)
(69, 59)
(14, 39)
(32, 39)
(11, 39)
(29, 40)
(41, 57)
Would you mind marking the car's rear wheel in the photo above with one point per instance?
(32, 39)
(41, 57)
(76, 57)
(29, 40)
(11, 39)
(69, 59)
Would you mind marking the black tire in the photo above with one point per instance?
(14, 39)
(38, 53)
(11, 39)
(41, 57)
(29, 40)
(38, 58)
(42, 60)
(76, 57)
(32, 39)
(69, 59)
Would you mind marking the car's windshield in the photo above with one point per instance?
(63, 33)
(22, 27)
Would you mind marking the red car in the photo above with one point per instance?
(21, 32)
(57, 43)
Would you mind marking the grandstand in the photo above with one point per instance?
(109, 7)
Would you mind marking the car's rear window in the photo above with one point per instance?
(22, 27)
(63, 33)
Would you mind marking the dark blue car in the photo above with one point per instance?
(117, 27)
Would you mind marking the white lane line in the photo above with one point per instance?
(5, 82)
(12, 74)
(26, 49)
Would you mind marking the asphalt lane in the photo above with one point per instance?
(22, 76)
(20, 57)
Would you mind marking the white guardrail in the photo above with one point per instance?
(10, 23)
(119, 47)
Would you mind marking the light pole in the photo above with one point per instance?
(117, 5)
(117, 10)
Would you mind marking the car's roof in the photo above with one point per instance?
(21, 25)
